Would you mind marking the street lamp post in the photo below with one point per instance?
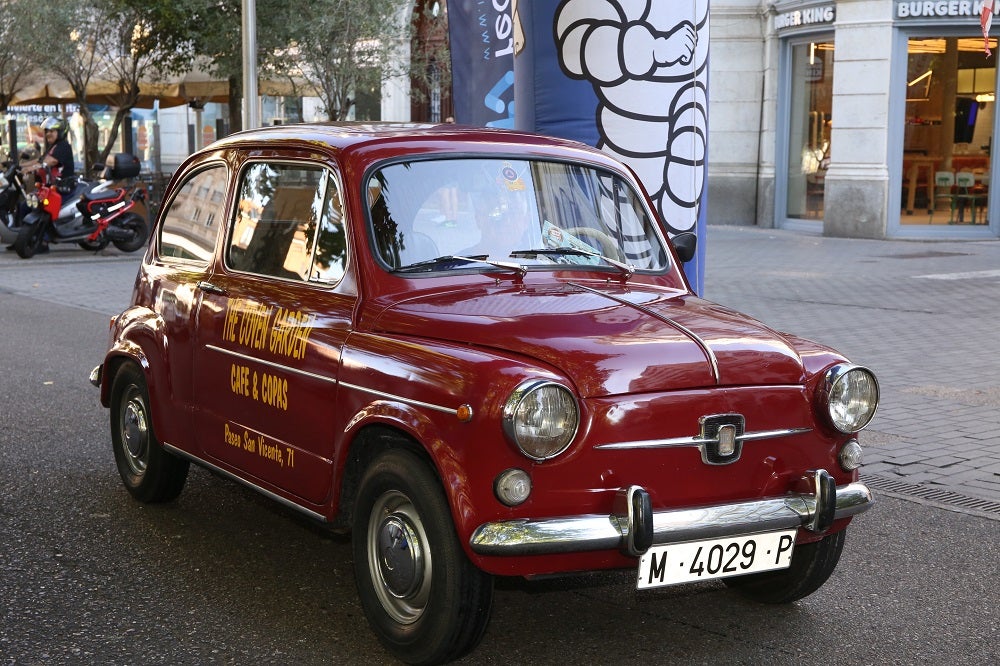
(251, 117)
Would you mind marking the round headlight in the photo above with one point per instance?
(541, 418)
(31, 200)
(850, 394)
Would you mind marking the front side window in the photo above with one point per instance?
(532, 212)
(187, 231)
(288, 224)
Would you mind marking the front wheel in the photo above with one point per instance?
(812, 564)
(29, 240)
(424, 599)
(150, 473)
(140, 232)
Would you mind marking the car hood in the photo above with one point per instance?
(607, 339)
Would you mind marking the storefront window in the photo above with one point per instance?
(948, 136)
(809, 128)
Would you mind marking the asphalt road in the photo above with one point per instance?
(87, 575)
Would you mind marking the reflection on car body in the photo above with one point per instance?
(477, 352)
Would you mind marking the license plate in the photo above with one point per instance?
(715, 558)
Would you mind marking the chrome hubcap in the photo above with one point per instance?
(135, 434)
(399, 557)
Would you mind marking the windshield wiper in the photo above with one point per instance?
(475, 259)
(627, 269)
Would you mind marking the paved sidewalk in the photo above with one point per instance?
(925, 316)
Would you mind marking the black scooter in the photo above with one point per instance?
(11, 199)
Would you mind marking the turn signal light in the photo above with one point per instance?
(850, 456)
(512, 486)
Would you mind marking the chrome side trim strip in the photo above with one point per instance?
(279, 366)
(409, 401)
(332, 380)
(712, 359)
(600, 532)
(697, 441)
(229, 475)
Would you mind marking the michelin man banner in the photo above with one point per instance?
(627, 76)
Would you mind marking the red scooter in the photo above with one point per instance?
(91, 215)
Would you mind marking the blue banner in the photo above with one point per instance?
(481, 33)
(631, 78)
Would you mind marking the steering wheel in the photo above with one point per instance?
(606, 245)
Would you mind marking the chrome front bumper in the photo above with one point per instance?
(633, 527)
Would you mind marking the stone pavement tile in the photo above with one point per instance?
(945, 461)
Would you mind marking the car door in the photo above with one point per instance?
(272, 321)
(185, 247)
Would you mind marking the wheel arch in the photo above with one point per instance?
(366, 443)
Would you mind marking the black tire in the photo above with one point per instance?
(423, 598)
(29, 239)
(93, 246)
(812, 564)
(150, 473)
(138, 225)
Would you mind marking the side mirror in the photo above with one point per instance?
(685, 245)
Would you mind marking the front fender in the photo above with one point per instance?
(35, 217)
(445, 398)
(136, 336)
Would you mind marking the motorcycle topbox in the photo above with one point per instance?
(123, 165)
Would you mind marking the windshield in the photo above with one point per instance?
(456, 214)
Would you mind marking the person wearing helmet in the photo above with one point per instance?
(58, 153)
(58, 156)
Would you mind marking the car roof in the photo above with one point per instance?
(374, 140)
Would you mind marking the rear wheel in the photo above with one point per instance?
(150, 473)
(423, 598)
(139, 228)
(29, 240)
(812, 564)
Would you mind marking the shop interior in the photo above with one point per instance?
(948, 136)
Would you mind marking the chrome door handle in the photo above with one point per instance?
(211, 288)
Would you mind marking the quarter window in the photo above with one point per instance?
(288, 224)
(182, 235)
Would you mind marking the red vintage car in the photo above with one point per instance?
(476, 351)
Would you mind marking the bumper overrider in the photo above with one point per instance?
(634, 527)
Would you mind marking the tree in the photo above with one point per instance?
(343, 48)
(121, 43)
(15, 65)
(217, 34)
(141, 40)
(74, 58)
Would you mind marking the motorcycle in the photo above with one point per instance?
(91, 215)
(12, 195)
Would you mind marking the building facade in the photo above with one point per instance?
(853, 118)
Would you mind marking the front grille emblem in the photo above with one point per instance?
(721, 438)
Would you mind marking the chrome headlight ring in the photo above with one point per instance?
(541, 418)
(848, 397)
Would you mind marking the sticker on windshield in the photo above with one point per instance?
(511, 178)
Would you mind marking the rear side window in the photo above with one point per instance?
(190, 224)
(288, 224)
